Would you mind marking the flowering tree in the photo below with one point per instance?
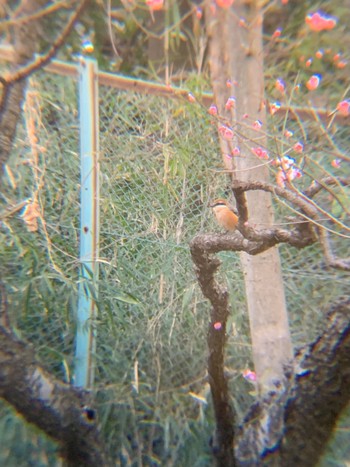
(237, 73)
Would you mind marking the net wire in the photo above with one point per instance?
(159, 162)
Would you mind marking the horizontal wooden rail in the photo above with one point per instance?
(147, 87)
(112, 79)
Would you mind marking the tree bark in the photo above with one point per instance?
(293, 427)
(60, 410)
(25, 37)
(25, 41)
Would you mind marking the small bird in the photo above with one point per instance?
(225, 215)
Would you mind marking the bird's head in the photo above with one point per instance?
(220, 202)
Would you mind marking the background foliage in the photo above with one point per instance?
(160, 167)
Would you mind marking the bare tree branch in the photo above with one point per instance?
(212, 243)
(35, 15)
(292, 424)
(206, 267)
(25, 40)
(301, 236)
(60, 410)
(43, 60)
(325, 183)
(303, 233)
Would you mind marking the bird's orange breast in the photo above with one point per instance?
(226, 218)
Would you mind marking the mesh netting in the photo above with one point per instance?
(159, 170)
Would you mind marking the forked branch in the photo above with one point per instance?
(297, 408)
(306, 231)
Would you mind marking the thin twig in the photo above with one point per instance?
(43, 60)
(34, 16)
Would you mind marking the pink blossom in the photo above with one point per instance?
(217, 326)
(213, 110)
(191, 97)
(226, 132)
(280, 85)
(274, 107)
(236, 151)
(249, 375)
(308, 62)
(286, 162)
(155, 4)
(277, 33)
(257, 124)
(341, 64)
(290, 174)
(336, 163)
(212, 8)
(313, 82)
(293, 173)
(199, 12)
(260, 153)
(343, 108)
(224, 3)
(230, 103)
(320, 21)
(298, 147)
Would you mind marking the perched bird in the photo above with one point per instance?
(224, 214)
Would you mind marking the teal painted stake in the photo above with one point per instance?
(89, 222)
